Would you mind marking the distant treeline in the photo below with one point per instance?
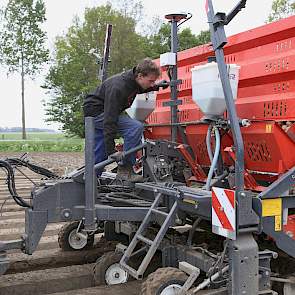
(19, 129)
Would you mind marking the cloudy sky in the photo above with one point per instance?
(60, 14)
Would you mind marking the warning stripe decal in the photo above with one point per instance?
(220, 213)
(231, 198)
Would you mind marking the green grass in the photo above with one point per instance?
(32, 136)
(40, 142)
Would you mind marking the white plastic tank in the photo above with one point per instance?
(207, 89)
(142, 106)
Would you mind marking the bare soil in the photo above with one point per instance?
(60, 163)
(50, 270)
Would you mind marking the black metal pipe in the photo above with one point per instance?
(103, 72)
(235, 11)
(127, 153)
(174, 108)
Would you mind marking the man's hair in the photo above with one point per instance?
(146, 67)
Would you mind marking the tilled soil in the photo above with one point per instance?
(49, 270)
(60, 163)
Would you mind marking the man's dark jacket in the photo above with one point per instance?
(112, 97)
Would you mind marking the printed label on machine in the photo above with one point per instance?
(224, 212)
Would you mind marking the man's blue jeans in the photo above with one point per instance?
(130, 129)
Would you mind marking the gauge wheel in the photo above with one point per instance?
(164, 281)
(71, 240)
(108, 271)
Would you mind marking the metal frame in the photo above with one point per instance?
(265, 97)
(174, 82)
(243, 251)
(74, 198)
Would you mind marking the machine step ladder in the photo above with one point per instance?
(152, 245)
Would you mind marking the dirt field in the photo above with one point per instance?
(60, 163)
(49, 270)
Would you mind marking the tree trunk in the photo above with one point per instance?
(24, 135)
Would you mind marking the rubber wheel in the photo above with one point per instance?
(163, 279)
(65, 234)
(106, 266)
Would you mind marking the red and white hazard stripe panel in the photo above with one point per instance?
(224, 212)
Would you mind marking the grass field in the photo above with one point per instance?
(32, 136)
(40, 142)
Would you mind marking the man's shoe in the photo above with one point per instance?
(126, 173)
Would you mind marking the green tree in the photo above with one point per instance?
(73, 73)
(160, 42)
(281, 9)
(22, 41)
(129, 8)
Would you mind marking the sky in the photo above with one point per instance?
(60, 14)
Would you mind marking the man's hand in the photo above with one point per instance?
(118, 156)
(164, 84)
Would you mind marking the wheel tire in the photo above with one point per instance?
(103, 264)
(64, 234)
(161, 279)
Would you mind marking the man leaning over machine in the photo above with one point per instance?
(108, 103)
